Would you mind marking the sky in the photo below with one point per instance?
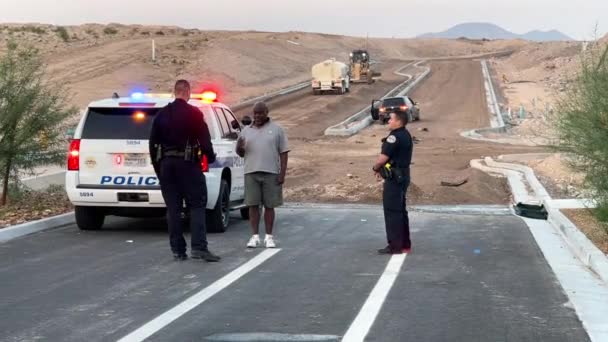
(376, 18)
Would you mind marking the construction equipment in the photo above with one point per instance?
(360, 70)
(330, 75)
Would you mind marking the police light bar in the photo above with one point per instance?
(157, 95)
(206, 96)
(137, 96)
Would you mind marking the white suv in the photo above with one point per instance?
(110, 171)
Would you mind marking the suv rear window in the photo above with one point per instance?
(119, 123)
(124, 123)
(393, 102)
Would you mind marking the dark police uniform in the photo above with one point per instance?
(398, 146)
(177, 125)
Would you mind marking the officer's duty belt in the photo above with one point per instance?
(173, 153)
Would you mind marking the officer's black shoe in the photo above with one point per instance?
(205, 255)
(388, 250)
(180, 256)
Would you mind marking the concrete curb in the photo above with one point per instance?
(362, 119)
(516, 183)
(44, 181)
(578, 242)
(27, 228)
(266, 97)
(496, 120)
(539, 190)
(496, 210)
(580, 245)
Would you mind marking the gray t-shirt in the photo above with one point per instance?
(263, 146)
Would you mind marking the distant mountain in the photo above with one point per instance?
(491, 31)
(545, 36)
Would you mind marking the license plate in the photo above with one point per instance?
(135, 160)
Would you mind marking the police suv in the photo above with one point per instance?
(109, 171)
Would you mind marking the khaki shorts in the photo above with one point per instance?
(262, 188)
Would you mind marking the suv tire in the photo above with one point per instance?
(219, 217)
(89, 218)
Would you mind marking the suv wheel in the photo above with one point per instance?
(89, 218)
(219, 217)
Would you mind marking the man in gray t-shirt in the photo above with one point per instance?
(263, 144)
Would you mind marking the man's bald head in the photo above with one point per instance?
(182, 90)
(260, 107)
(260, 114)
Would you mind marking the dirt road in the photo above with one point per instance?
(330, 169)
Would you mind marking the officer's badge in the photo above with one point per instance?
(391, 139)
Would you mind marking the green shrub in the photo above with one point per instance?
(62, 32)
(110, 30)
(581, 123)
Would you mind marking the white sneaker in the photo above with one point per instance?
(254, 242)
(269, 242)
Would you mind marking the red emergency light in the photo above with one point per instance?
(207, 96)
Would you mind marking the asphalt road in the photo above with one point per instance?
(469, 278)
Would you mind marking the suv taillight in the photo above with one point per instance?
(205, 164)
(74, 155)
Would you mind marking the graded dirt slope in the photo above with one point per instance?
(97, 60)
(452, 100)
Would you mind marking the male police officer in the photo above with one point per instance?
(178, 140)
(393, 164)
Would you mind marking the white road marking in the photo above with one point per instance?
(360, 327)
(179, 310)
(268, 337)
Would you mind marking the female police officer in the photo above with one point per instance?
(393, 164)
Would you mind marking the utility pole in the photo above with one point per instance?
(153, 51)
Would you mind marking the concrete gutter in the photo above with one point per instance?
(272, 95)
(497, 124)
(499, 54)
(465, 209)
(27, 228)
(362, 119)
(521, 178)
(45, 180)
(496, 120)
(567, 250)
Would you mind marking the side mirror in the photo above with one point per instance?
(375, 109)
(246, 120)
(70, 133)
(235, 125)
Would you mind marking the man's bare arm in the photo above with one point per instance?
(284, 157)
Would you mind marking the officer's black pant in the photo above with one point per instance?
(395, 214)
(184, 180)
